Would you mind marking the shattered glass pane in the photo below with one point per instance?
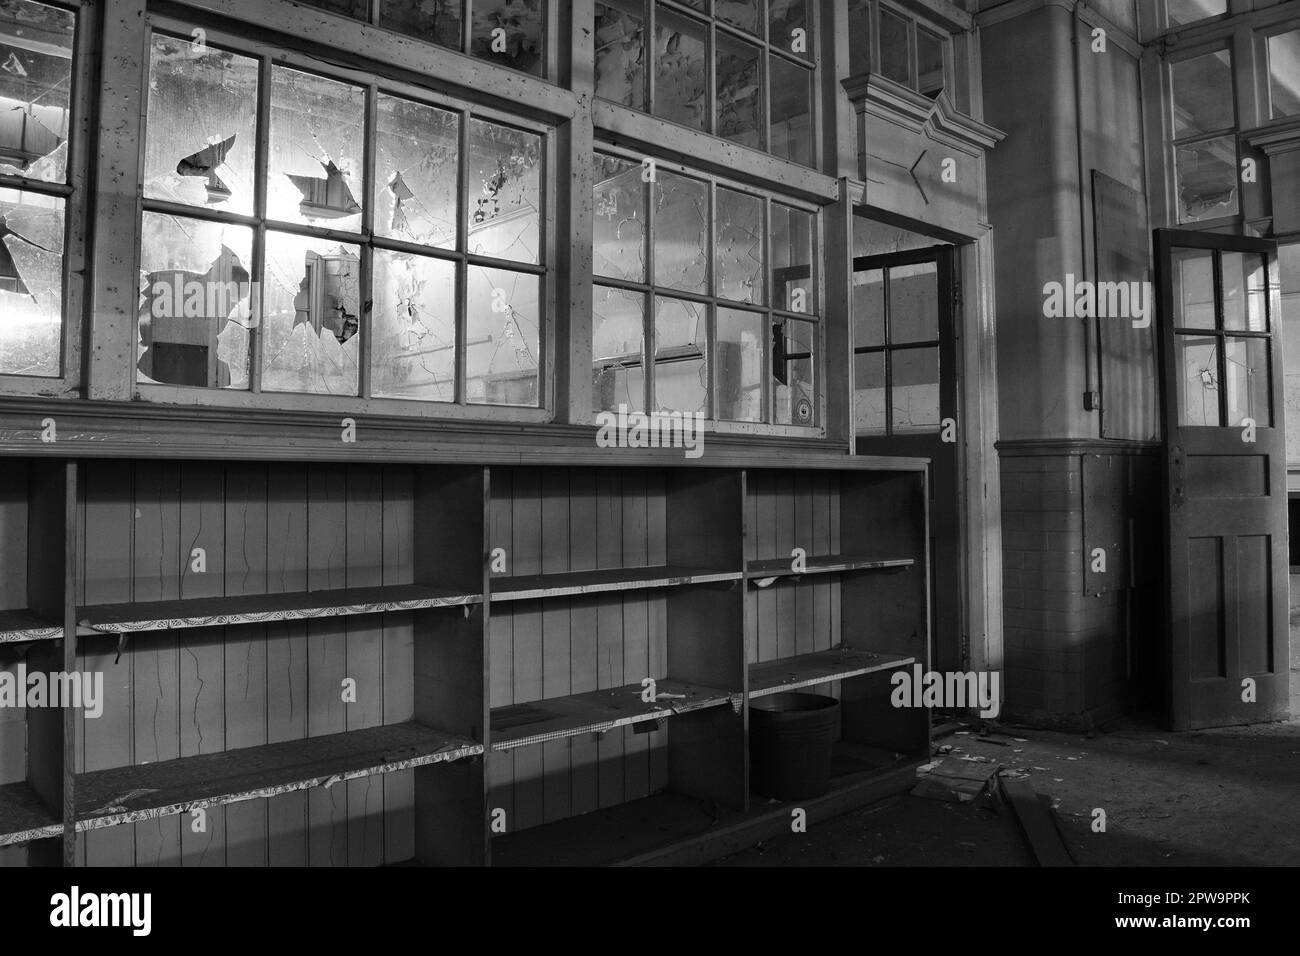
(681, 356)
(1247, 386)
(201, 135)
(791, 131)
(312, 313)
(503, 344)
(739, 101)
(620, 53)
(31, 283)
(794, 399)
(35, 89)
(416, 172)
(414, 351)
(618, 349)
(740, 13)
(739, 248)
(1207, 179)
(680, 69)
(1198, 368)
(619, 246)
(317, 138)
(433, 21)
(785, 18)
(869, 393)
(356, 9)
(914, 390)
(504, 183)
(195, 301)
(509, 33)
(681, 234)
(792, 259)
(740, 366)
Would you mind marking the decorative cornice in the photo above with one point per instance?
(938, 117)
(1280, 136)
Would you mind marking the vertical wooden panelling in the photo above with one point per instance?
(106, 741)
(609, 630)
(327, 807)
(767, 546)
(526, 622)
(788, 537)
(13, 595)
(245, 658)
(500, 765)
(202, 651)
(657, 616)
(286, 653)
(398, 655)
(804, 596)
(584, 752)
(364, 664)
(556, 623)
(636, 628)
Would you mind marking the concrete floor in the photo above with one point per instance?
(1226, 797)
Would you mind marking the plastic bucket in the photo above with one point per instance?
(790, 737)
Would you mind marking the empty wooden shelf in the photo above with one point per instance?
(572, 583)
(520, 725)
(823, 564)
(108, 798)
(819, 667)
(24, 817)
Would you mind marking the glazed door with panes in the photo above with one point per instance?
(1225, 459)
(905, 403)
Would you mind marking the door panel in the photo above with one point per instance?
(1225, 461)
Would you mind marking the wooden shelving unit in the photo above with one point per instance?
(373, 664)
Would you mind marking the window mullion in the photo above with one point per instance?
(261, 172)
(462, 248)
(365, 321)
(647, 324)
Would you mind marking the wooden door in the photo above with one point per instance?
(1225, 457)
(905, 403)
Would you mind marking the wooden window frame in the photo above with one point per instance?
(365, 238)
(915, 23)
(648, 289)
(1173, 142)
(73, 190)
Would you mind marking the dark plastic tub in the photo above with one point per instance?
(790, 738)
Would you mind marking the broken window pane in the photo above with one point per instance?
(195, 301)
(1198, 364)
(914, 390)
(739, 92)
(895, 48)
(787, 19)
(201, 135)
(504, 182)
(1202, 93)
(1246, 370)
(740, 366)
(740, 13)
(792, 97)
(416, 172)
(681, 235)
(35, 89)
(503, 318)
(311, 315)
(740, 247)
(681, 356)
(619, 246)
(509, 33)
(618, 349)
(680, 69)
(792, 258)
(317, 138)
(929, 63)
(433, 21)
(1284, 73)
(1207, 179)
(31, 283)
(793, 395)
(356, 9)
(414, 350)
(620, 53)
(869, 393)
